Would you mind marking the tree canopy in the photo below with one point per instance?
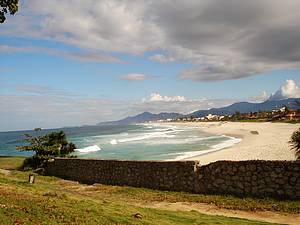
(51, 145)
(8, 6)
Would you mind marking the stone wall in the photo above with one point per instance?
(175, 176)
(279, 179)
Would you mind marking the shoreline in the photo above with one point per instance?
(214, 148)
(259, 141)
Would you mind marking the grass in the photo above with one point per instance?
(55, 201)
(10, 163)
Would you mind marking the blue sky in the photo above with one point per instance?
(85, 62)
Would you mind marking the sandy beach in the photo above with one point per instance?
(263, 141)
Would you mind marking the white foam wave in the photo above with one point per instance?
(150, 135)
(142, 137)
(188, 140)
(113, 142)
(93, 148)
(225, 144)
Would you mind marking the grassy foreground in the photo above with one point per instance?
(55, 201)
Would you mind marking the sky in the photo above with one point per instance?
(81, 62)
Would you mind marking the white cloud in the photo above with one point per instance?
(71, 55)
(289, 90)
(263, 96)
(43, 90)
(162, 58)
(154, 97)
(157, 103)
(134, 77)
(183, 107)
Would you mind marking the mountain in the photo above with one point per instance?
(143, 117)
(242, 107)
(246, 107)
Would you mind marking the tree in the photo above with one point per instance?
(295, 143)
(51, 145)
(8, 6)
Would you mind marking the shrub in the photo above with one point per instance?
(295, 143)
(46, 147)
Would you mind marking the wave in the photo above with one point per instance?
(152, 135)
(188, 140)
(93, 148)
(113, 142)
(160, 135)
(224, 144)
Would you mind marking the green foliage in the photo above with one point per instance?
(51, 145)
(8, 6)
(295, 142)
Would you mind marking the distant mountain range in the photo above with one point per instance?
(247, 107)
(242, 107)
(143, 117)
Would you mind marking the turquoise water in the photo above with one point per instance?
(131, 142)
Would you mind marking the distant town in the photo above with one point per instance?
(283, 114)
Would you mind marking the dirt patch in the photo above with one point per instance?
(266, 216)
(5, 172)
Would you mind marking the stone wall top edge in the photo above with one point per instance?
(183, 161)
(132, 161)
(257, 162)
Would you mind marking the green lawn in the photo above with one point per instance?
(55, 201)
(10, 163)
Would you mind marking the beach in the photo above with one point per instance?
(203, 141)
(259, 141)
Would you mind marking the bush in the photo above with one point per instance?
(295, 143)
(46, 147)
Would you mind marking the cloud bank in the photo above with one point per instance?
(290, 89)
(47, 108)
(221, 39)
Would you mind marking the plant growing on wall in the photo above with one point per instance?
(295, 143)
(47, 146)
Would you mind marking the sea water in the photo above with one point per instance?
(131, 142)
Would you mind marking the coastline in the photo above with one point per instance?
(259, 141)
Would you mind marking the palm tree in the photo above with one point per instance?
(295, 143)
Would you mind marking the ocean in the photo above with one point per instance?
(130, 142)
